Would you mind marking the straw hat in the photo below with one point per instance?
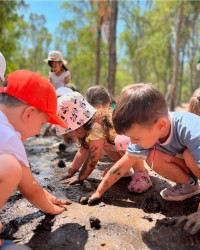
(55, 56)
(74, 110)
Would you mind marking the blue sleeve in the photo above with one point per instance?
(135, 150)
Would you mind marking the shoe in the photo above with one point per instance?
(180, 192)
(140, 183)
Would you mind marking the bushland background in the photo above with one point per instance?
(110, 43)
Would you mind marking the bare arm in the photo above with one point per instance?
(39, 197)
(77, 162)
(67, 78)
(113, 175)
(95, 151)
(93, 155)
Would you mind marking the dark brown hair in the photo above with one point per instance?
(103, 117)
(138, 104)
(98, 96)
(194, 103)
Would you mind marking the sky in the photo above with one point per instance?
(50, 9)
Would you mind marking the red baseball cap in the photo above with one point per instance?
(34, 90)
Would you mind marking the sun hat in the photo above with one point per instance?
(74, 110)
(63, 90)
(34, 90)
(55, 56)
(2, 66)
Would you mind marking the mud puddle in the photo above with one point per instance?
(126, 221)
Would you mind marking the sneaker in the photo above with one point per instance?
(180, 192)
(140, 183)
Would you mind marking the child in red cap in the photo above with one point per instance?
(27, 100)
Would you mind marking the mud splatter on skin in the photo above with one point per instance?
(115, 171)
(90, 163)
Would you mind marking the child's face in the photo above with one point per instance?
(144, 136)
(34, 121)
(56, 67)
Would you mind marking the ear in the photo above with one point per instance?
(161, 123)
(28, 113)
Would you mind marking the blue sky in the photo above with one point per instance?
(50, 9)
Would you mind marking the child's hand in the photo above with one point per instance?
(94, 198)
(73, 181)
(190, 223)
(67, 176)
(59, 202)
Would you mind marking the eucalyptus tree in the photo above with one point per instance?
(76, 39)
(38, 43)
(11, 30)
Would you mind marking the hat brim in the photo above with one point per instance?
(58, 60)
(55, 119)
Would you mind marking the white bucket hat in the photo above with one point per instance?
(55, 56)
(2, 66)
(74, 110)
(63, 90)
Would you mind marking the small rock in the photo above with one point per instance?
(83, 200)
(61, 147)
(61, 164)
(95, 222)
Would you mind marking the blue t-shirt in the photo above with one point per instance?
(184, 134)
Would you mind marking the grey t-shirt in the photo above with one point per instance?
(185, 134)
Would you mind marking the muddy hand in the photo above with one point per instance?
(93, 199)
(190, 223)
(59, 202)
(73, 181)
(66, 176)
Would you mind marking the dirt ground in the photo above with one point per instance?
(127, 221)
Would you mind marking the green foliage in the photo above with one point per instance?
(145, 42)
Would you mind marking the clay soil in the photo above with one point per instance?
(127, 221)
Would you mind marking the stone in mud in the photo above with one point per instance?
(61, 147)
(95, 222)
(61, 164)
(84, 200)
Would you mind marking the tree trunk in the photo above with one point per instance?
(112, 61)
(98, 50)
(176, 59)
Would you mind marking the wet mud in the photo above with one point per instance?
(120, 220)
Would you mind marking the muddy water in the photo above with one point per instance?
(127, 221)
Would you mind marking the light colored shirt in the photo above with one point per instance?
(59, 81)
(10, 142)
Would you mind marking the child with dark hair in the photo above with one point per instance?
(94, 130)
(168, 141)
(98, 97)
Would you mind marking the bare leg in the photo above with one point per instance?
(170, 167)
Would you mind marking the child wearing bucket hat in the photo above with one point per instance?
(27, 100)
(94, 129)
(59, 75)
